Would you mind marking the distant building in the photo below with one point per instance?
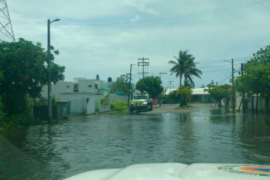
(80, 88)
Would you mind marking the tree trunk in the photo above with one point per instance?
(219, 103)
(257, 102)
(267, 104)
(180, 81)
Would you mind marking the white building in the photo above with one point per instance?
(195, 91)
(79, 88)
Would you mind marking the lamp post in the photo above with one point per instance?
(49, 69)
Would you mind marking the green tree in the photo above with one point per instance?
(24, 70)
(184, 66)
(152, 85)
(121, 85)
(256, 80)
(185, 94)
(219, 92)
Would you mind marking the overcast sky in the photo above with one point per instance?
(105, 36)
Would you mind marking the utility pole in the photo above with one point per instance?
(233, 98)
(233, 103)
(49, 69)
(142, 62)
(170, 86)
(243, 91)
(129, 86)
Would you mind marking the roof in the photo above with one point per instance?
(195, 91)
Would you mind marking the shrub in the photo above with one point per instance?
(2, 114)
(119, 106)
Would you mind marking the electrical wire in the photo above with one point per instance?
(266, 6)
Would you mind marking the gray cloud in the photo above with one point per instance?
(212, 30)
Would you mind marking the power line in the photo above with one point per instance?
(214, 70)
(212, 66)
(266, 6)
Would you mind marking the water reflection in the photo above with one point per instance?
(205, 135)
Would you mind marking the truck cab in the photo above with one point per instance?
(141, 101)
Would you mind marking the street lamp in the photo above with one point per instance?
(49, 68)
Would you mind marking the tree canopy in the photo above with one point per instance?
(219, 92)
(121, 85)
(185, 66)
(256, 77)
(24, 72)
(151, 84)
(185, 94)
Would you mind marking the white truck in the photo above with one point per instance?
(141, 101)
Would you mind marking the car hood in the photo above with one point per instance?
(177, 171)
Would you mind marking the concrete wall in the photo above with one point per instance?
(84, 106)
(88, 86)
(251, 103)
(114, 98)
(60, 87)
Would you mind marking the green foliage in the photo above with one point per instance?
(17, 121)
(152, 85)
(256, 79)
(185, 66)
(119, 106)
(220, 92)
(2, 113)
(185, 94)
(121, 85)
(96, 106)
(24, 73)
(171, 98)
(109, 79)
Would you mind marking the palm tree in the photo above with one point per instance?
(184, 66)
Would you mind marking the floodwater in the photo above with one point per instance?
(203, 135)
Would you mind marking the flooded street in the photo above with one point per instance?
(202, 135)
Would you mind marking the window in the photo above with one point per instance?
(90, 86)
(67, 86)
(96, 86)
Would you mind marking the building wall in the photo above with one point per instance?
(88, 86)
(251, 103)
(60, 87)
(84, 106)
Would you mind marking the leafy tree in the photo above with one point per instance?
(184, 66)
(24, 70)
(256, 80)
(109, 79)
(152, 85)
(185, 94)
(203, 86)
(121, 85)
(219, 92)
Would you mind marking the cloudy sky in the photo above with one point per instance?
(105, 36)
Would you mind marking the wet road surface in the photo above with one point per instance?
(201, 135)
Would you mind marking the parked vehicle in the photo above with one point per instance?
(141, 101)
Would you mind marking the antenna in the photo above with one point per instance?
(5, 21)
